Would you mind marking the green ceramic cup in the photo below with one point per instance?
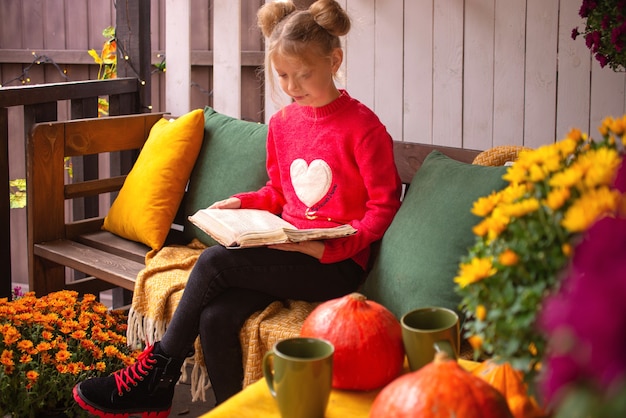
(299, 373)
(427, 330)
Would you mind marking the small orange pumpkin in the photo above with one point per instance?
(510, 382)
(441, 389)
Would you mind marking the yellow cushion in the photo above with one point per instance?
(148, 201)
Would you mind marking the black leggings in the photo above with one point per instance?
(226, 286)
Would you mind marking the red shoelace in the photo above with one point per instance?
(136, 371)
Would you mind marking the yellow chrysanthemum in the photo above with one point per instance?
(481, 312)
(475, 341)
(513, 192)
(484, 205)
(586, 210)
(599, 167)
(566, 249)
(474, 271)
(557, 197)
(492, 226)
(521, 208)
(508, 258)
(617, 126)
(517, 173)
(567, 178)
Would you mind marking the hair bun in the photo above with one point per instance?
(330, 15)
(271, 13)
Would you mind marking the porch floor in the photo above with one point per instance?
(182, 405)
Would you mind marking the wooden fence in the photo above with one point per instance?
(471, 73)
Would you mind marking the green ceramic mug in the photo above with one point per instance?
(299, 373)
(427, 330)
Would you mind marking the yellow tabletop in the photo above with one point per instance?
(256, 401)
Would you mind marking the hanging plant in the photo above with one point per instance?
(605, 31)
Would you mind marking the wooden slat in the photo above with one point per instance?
(227, 57)
(83, 226)
(110, 243)
(5, 215)
(94, 136)
(46, 215)
(111, 268)
(53, 92)
(94, 187)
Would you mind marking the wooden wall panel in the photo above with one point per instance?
(32, 29)
(11, 29)
(447, 73)
(388, 68)
(508, 74)
(359, 52)
(574, 66)
(541, 59)
(418, 71)
(607, 94)
(478, 62)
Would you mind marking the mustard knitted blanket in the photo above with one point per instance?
(158, 289)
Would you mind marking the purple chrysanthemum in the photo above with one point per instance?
(584, 320)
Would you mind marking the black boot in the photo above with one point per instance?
(146, 387)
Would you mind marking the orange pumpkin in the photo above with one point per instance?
(441, 389)
(510, 382)
(367, 337)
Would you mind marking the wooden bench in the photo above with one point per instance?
(109, 261)
(232, 154)
(54, 241)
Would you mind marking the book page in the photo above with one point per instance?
(240, 228)
(297, 235)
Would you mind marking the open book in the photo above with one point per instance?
(239, 228)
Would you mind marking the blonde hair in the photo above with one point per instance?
(301, 33)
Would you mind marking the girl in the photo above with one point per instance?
(329, 161)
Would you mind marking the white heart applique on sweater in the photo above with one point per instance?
(310, 182)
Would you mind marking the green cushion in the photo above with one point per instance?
(231, 160)
(420, 252)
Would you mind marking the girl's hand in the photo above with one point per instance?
(230, 203)
(312, 248)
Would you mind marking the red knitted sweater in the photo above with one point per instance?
(331, 165)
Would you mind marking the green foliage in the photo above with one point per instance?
(17, 193)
